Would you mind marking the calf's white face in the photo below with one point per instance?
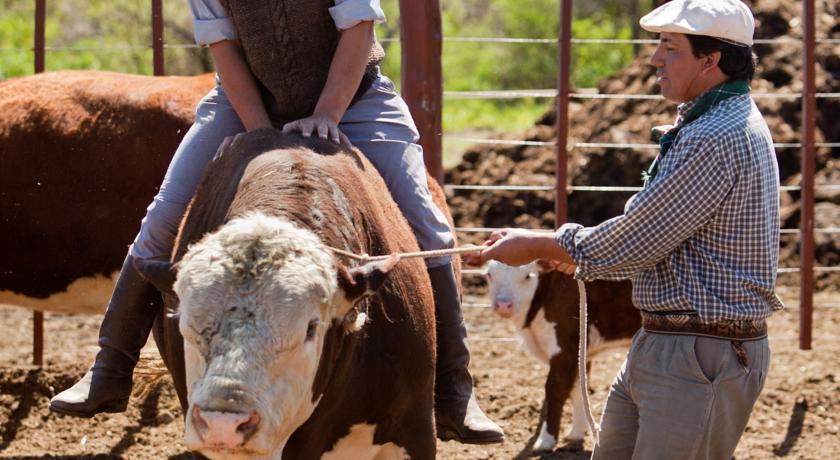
(256, 298)
(512, 288)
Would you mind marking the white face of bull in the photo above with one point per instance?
(512, 288)
(256, 299)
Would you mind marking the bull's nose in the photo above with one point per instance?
(504, 309)
(224, 429)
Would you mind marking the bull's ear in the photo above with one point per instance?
(161, 274)
(359, 282)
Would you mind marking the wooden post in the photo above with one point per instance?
(563, 88)
(806, 224)
(157, 38)
(422, 76)
(39, 49)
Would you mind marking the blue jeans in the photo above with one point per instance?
(379, 124)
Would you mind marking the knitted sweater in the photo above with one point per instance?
(289, 45)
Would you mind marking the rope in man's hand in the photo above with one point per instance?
(408, 255)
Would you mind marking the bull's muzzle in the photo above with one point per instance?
(229, 430)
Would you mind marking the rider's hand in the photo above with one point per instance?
(323, 126)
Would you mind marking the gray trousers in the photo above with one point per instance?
(379, 124)
(681, 397)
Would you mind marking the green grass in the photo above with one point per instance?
(483, 114)
(481, 118)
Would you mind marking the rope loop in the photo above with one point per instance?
(365, 258)
(582, 344)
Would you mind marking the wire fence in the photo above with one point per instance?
(454, 39)
(552, 93)
(158, 45)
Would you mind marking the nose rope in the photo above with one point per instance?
(364, 257)
(584, 384)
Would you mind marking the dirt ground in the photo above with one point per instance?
(796, 416)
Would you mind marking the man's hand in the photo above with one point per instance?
(564, 266)
(325, 127)
(518, 247)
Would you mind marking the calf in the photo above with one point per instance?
(545, 306)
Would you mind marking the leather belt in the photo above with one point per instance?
(681, 323)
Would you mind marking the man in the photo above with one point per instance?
(700, 243)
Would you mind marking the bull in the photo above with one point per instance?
(286, 350)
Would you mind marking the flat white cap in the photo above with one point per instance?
(728, 20)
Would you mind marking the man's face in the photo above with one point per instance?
(677, 69)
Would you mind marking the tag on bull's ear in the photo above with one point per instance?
(359, 282)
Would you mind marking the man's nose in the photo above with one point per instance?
(656, 58)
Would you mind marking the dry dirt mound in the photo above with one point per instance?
(629, 121)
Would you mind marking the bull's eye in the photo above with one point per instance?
(530, 276)
(311, 328)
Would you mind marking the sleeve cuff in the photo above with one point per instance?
(209, 31)
(348, 13)
(565, 237)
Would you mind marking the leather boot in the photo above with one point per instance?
(457, 415)
(124, 330)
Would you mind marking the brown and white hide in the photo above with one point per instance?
(544, 304)
(81, 156)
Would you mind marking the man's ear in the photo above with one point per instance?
(359, 282)
(711, 60)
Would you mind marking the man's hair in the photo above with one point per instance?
(736, 62)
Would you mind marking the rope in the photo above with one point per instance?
(407, 255)
(584, 385)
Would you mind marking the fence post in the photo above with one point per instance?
(422, 76)
(39, 50)
(563, 84)
(157, 37)
(806, 224)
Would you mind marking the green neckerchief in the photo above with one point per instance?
(695, 109)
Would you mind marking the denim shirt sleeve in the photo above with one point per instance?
(348, 13)
(211, 23)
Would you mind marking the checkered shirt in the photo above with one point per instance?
(703, 236)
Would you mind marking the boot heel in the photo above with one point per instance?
(447, 434)
(111, 407)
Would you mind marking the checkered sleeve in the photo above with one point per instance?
(682, 198)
